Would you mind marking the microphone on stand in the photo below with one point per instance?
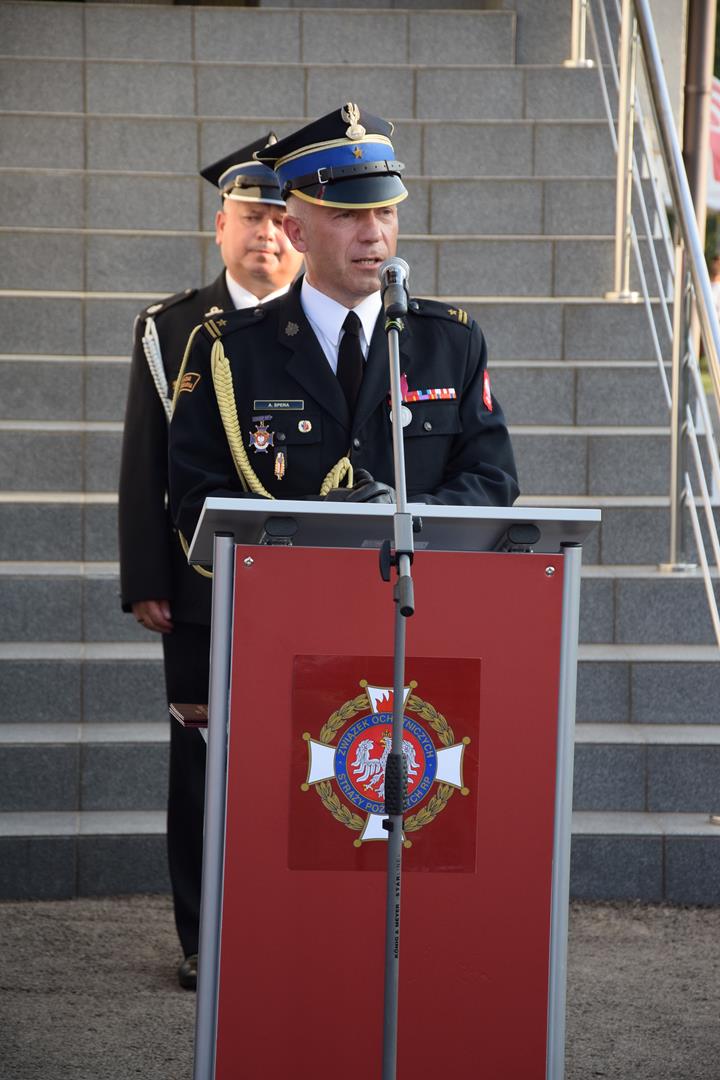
(394, 274)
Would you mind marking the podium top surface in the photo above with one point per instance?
(358, 525)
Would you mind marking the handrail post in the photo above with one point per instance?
(578, 36)
(624, 183)
(679, 390)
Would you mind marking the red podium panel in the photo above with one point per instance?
(302, 933)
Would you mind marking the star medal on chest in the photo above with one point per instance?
(405, 413)
(261, 439)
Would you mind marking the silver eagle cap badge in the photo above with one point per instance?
(351, 115)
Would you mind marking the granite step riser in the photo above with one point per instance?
(649, 868)
(505, 207)
(539, 267)
(129, 691)
(533, 394)
(64, 776)
(133, 776)
(626, 535)
(531, 331)
(548, 464)
(62, 867)
(451, 148)
(631, 610)
(653, 869)
(401, 91)
(280, 37)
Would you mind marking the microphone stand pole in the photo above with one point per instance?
(396, 768)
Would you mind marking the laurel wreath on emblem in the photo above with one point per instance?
(337, 720)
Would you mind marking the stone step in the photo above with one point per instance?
(660, 768)
(183, 203)
(401, 90)
(449, 148)
(76, 323)
(488, 266)
(241, 34)
(556, 393)
(59, 855)
(591, 460)
(122, 682)
(112, 682)
(655, 858)
(622, 460)
(83, 766)
(66, 602)
(49, 767)
(671, 858)
(79, 527)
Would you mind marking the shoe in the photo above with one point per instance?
(187, 973)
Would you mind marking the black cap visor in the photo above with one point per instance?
(355, 193)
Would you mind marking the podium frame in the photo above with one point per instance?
(225, 523)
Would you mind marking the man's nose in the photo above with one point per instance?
(369, 227)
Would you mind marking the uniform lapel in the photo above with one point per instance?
(376, 381)
(307, 363)
(217, 294)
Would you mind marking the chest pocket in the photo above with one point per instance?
(294, 430)
(433, 418)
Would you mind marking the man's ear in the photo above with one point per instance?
(295, 232)
(219, 226)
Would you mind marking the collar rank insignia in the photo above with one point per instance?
(261, 439)
(351, 770)
(292, 329)
(214, 310)
(351, 115)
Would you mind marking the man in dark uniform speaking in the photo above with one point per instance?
(308, 374)
(157, 585)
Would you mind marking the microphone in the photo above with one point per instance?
(394, 274)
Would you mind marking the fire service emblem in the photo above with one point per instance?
(346, 763)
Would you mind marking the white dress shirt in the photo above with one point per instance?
(243, 298)
(326, 317)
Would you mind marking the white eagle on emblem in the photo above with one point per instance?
(370, 771)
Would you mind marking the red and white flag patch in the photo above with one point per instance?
(487, 396)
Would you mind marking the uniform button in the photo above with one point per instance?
(427, 426)
(356, 444)
(280, 436)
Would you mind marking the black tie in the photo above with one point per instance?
(350, 360)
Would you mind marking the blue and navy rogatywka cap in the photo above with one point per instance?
(243, 179)
(344, 159)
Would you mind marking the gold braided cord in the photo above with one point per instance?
(186, 547)
(181, 372)
(342, 470)
(223, 383)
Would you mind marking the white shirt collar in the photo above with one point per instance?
(327, 314)
(243, 298)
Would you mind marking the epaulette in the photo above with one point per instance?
(439, 310)
(170, 301)
(228, 321)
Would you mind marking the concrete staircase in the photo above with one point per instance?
(110, 111)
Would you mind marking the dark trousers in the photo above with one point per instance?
(187, 661)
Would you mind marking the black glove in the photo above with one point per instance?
(365, 489)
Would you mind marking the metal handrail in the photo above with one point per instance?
(680, 189)
(691, 282)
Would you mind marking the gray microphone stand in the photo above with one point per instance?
(395, 299)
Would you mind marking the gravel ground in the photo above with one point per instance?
(88, 992)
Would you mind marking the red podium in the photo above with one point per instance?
(292, 923)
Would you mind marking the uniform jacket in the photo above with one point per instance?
(152, 563)
(457, 448)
